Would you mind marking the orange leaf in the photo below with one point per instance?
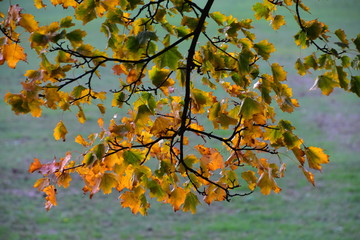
(120, 69)
(177, 198)
(63, 179)
(309, 176)
(41, 183)
(36, 165)
(13, 53)
(50, 198)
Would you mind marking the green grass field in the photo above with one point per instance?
(329, 211)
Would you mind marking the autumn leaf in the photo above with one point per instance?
(35, 165)
(315, 157)
(60, 131)
(108, 182)
(13, 53)
(250, 107)
(250, 178)
(267, 183)
(191, 201)
(277, 22)
(177, 198)
(309, 176)
(28, 22)
(50, 198)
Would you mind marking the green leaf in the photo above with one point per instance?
(88, 159)
(218, 17)
(342, 76)
(86, 11)
(169, 59)
(277, 22)
(108, 182)
(300, 39)
(264, 49)
(133, 44)
(66, 22)
(226, 120)
(190, 22)
(76, 37)
(278, 72)
(159, 76)
(182, 31)
(143, 115)
(261, 11)
(99, 151)
(355, 85)
(133, 157)
(191, 201)
(249, 107)
(144, 36)
(244, 61)
(310, 62)
(300, 67)
(76, 92)
(314, 29)
(326, 84)
(342, 36)
(357, 42)
(38, 39)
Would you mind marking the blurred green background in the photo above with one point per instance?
(331, 210)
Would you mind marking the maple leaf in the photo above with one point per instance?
(35, 165)
(315, 157)
(108, 182)
(267, 183)
(177, 198)
(50, 198)
(12, 54)
(60, 131)
(191, 201)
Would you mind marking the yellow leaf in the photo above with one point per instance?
(101, 107)
(81, 116)
(13, 53)
(108, 182)
(50, 198)
(177, 198)
(250, 178)
(28, 22)
(42, 183)
(161, 126)
(316, 157)
(39, 4)
(135, 201)
(267, 183)
(60, 131)
(309, 176)
(63, 179)
(80, 140)
(277, 22)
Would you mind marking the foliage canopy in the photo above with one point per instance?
(178, 107)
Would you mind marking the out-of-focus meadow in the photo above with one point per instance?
(331, 210)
